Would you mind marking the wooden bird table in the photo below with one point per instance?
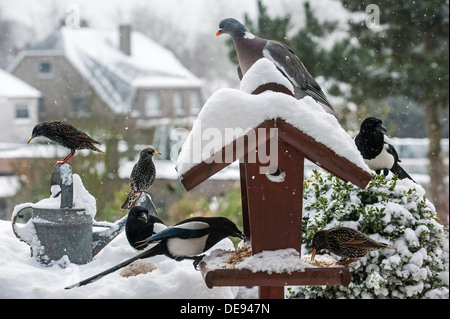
(272, 211)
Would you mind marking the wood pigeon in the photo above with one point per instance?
(250, 48)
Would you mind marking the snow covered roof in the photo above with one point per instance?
(115, 75)
(12, 87)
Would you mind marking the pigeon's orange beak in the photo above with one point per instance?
(30, 139)
(219, 32)
(313, 255)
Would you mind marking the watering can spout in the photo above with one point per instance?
(102, 238)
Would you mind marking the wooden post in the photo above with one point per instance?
(244, 201)
(271, 292)
(275, 208)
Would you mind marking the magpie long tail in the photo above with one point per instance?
(148, 253)
(397, 169)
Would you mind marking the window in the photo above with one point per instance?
(45, 68)
(195, 103)
(153, 105)
(178, 103)
(80, 106)
(22, 112)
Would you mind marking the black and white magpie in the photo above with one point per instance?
(141, 225)
(186, 240)
(378, 153)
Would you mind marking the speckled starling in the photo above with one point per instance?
(141, 178)
(65, 135)
(345, 242)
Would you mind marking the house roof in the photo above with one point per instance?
(116, 76)
(12, 87)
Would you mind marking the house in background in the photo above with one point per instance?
(19, 103)
(119, 86)
(92, 76)
(18, 115)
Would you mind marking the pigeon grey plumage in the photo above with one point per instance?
(250, 48)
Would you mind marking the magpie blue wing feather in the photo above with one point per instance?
(391, 150)
(400, 172)
(396, 168)
(179, 232)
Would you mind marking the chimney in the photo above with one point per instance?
(125, 39)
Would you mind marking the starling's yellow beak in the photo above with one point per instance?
(30, 139)
(313, 255)
(157, 153)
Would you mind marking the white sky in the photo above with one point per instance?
(193, 13)
(109, 13)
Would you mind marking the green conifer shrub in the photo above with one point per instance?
(392, 211)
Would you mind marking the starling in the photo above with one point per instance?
(345, 242)
(65, 135)
(141, 178)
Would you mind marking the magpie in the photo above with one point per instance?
(186, 240)
(141, 225)
(376, 149)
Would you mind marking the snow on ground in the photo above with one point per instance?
(21, 276)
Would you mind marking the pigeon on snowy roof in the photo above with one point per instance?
(250, 48)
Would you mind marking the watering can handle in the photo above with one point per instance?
(14, 221)
(62, 176)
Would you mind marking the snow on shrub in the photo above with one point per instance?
(395, 212)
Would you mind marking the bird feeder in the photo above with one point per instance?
(272, 201)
